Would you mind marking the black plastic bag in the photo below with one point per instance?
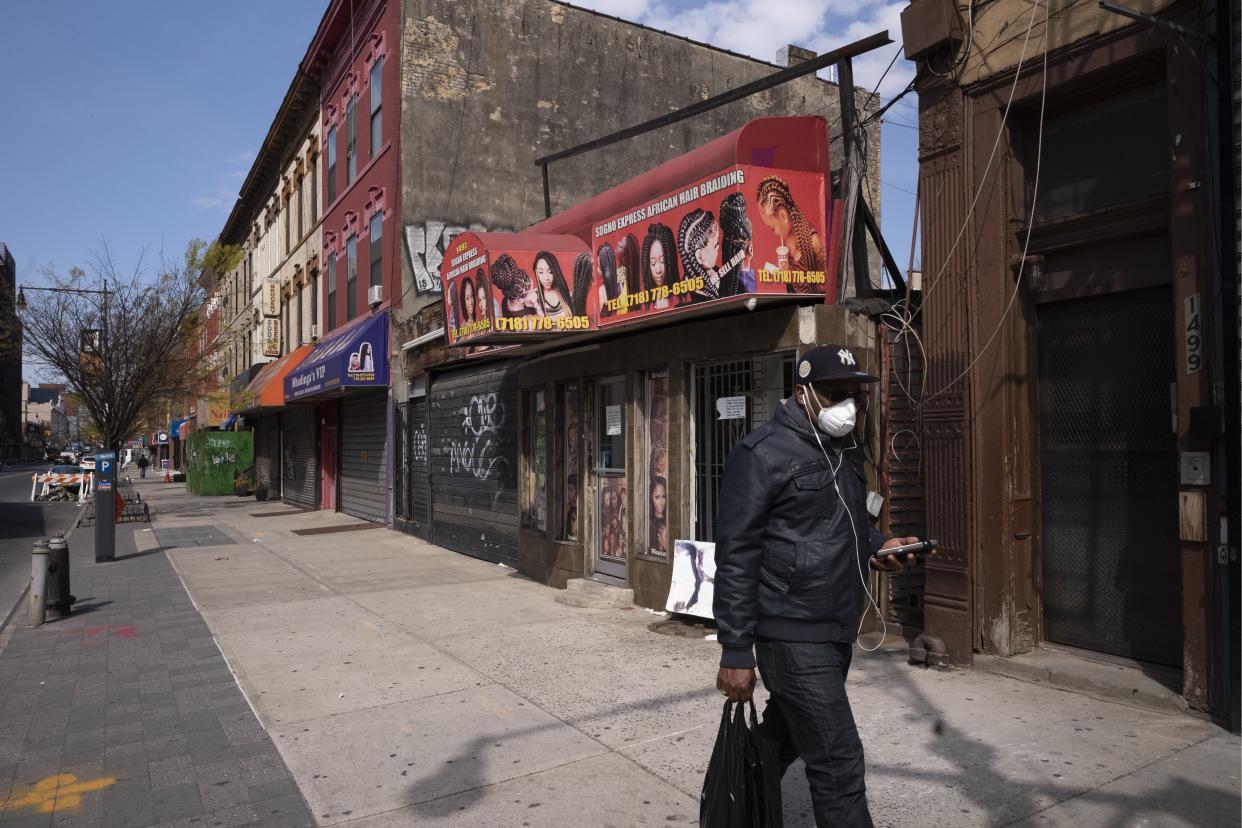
(742, 788)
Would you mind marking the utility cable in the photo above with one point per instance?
(1017, 287)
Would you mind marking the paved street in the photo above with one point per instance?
(403, 684)
(21, 522)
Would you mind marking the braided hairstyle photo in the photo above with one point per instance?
(584, 275)
(608, 270)
(627, 258)
(511, 279)
(736, 233)
(558, 279)
(692, 235)
(773, 195)
(469, 313)
(664, 235)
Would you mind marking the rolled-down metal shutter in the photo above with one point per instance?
(267, 455)
(364, 457)
(300, 457)
(419, 480)
(473, 423)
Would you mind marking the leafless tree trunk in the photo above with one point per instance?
(147, 329)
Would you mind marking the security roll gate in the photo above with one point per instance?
(267, 455)
(412, 469)
(473, 422)
(364, 457)
(299, 455)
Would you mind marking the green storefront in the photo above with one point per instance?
(217, 460)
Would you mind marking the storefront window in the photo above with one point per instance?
(657, 465)
(568, 432)
(537, 463)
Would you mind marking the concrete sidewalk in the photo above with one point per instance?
(126, 714)
(405, 684)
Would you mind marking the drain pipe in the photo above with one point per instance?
(929, 651)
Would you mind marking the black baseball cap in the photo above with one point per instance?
(830, 363)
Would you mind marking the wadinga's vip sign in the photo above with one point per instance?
(506, 286)
(271, 297)
(742, 232)
(354, 357)
(271, 337)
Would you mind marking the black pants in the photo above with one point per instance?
(809, 715)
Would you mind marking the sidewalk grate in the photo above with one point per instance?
(192, 536)
(328, 530)
(285, 513)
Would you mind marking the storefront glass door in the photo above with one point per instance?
(611, 539)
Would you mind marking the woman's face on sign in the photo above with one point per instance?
(776, 220)
(659, 499)
(481, 309)
(655, 261)
(544, 274)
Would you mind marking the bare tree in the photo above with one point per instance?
(125, 351)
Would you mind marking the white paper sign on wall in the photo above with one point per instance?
(731, 408)
(612, 420)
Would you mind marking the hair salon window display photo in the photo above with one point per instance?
(511, 285)
(743, 231)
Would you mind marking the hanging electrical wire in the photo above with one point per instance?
(1030, 224)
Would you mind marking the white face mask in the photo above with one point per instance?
(836, 420)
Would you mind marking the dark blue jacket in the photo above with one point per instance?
(787, 561)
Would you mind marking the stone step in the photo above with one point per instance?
(584, 592)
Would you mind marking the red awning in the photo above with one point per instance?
(791, 143)
(267, 389)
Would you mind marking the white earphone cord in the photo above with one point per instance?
(857, 543)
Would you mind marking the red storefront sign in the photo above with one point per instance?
(516, 286)
(740, 232)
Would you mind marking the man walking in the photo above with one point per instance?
(143, 462)
(793, 543)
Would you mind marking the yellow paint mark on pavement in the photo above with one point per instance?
(59, 793)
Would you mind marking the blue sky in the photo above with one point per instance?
(135, 122)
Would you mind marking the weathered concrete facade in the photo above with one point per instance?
(488, 87)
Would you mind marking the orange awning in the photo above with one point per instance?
(267, 389)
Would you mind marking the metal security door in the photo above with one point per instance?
(364, 457)
(1108, 464)
(418, 480)
(267, 455)
(299, 450)
(612, 505)
(473, 426)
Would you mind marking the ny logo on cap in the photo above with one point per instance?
(846, 357)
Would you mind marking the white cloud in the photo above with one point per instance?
(759, 28)
(224, 194)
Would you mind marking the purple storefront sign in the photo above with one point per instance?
(354, 357)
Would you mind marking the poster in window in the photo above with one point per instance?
(569, 531)
(612, 518)
(657, 465)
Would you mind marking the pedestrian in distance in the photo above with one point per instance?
(793, 543)
(143, 462)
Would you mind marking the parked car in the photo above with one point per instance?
(87, 462)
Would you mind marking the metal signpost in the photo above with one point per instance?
(105, 506)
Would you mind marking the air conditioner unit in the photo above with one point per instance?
(314, 333)
(375, 295)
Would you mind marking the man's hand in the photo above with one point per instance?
(737, 684)
(891, 563)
